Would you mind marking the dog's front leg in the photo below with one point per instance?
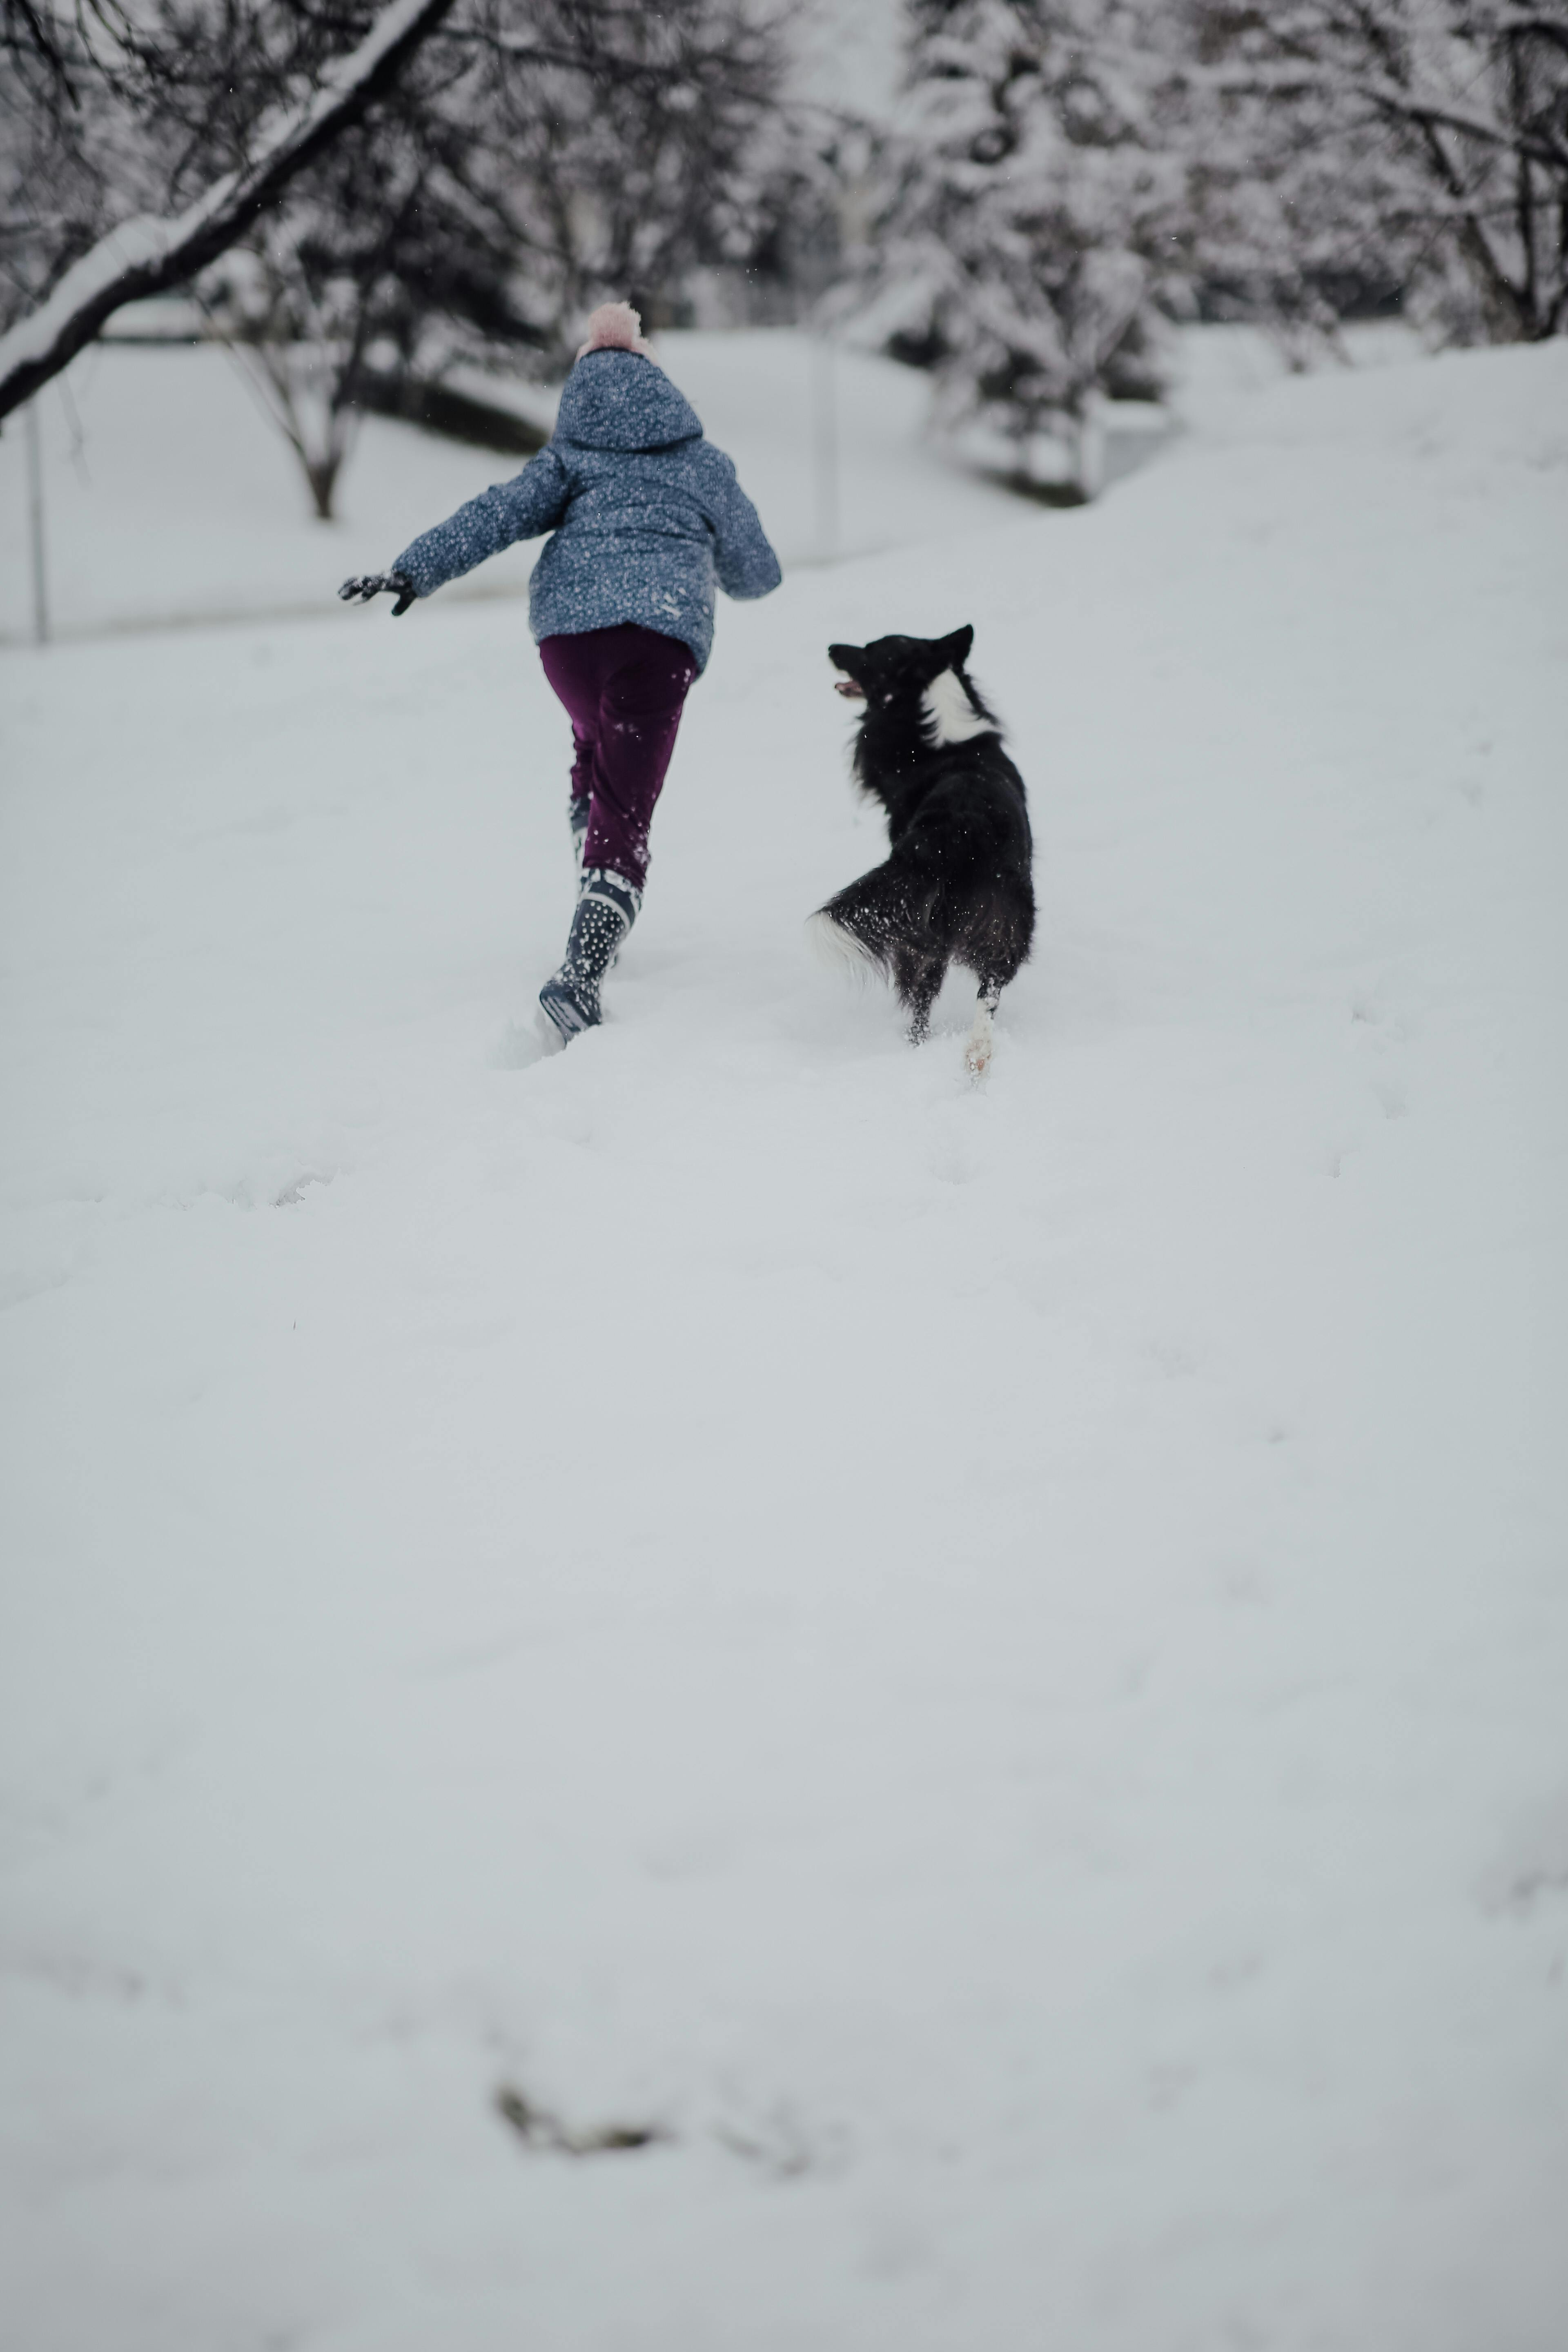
(982, 1043)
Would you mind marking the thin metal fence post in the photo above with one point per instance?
(824, 447)
(35, 520)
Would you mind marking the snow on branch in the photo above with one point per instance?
(1387, 97)
(150, 256)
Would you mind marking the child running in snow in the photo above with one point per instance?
(646, 516)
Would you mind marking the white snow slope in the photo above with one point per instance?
(991, 1661)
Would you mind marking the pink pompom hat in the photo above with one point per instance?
(615, 327)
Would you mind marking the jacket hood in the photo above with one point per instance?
(615, 399)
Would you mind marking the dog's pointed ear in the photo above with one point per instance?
(849, 658)
(958, 646)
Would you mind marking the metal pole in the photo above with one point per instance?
(35, 518)
(824, 447)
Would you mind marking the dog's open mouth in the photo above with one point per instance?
(847, 686)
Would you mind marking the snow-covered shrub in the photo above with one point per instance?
(1035, 225)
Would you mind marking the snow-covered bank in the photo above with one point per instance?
(991, 1661)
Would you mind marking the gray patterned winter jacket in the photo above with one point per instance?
(646, 514)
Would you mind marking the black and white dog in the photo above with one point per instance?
(956, 885)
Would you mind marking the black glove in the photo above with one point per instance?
(366, 585)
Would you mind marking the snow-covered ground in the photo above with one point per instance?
(989, 1661)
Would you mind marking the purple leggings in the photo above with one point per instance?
(624, 688)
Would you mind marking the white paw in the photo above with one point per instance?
(981, 1044)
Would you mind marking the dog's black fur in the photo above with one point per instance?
(956, 885)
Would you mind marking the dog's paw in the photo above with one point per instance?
(981, 1045)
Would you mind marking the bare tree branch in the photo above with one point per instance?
(147, 257)
(1386, 98)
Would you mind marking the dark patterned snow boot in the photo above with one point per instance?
(608, 906)
(578, 812)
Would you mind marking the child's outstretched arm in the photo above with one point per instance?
(742, 558)
(534, 501)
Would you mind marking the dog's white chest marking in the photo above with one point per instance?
(953, 718)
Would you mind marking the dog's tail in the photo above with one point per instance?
(859, 927)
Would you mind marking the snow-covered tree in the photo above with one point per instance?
(542, 154)
(137, 144)
(1422, 143)
(546, 153)
(633, 145)
(1036, 222)
(388, 260)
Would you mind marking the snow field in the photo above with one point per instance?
(989, 1658)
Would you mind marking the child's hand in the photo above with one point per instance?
(366, 585)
